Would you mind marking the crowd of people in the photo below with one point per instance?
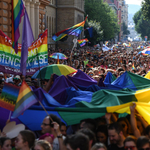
(106, 133)
(109, 132)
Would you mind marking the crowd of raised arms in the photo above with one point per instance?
(109, 132)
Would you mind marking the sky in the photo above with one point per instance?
(135, 2)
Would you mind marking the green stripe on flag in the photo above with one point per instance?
(17, 9)
(24, 97)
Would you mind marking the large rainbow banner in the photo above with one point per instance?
(10, 61)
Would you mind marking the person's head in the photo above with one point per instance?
(5, 143)
(96, 78)
(102, 71)
(102, 134)
(143, 143)
(42, 145)
(90, 134)
(130, 143)
(115, 133)
(90, 73)
(1, 75)
(88, 123)
(47, 126)
(125, 125)
(63, 128)
(78, 141)
(98, 146)
(96, 72)
(17, 80)
(48, 137)
(25, 139)
(1, 84)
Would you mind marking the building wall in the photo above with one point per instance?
(55, 15)
(69, 13)
(51, 21)
(5, 17)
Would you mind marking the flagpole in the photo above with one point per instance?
(45, 111)
(75, 42)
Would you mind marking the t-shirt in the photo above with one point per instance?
(56, 143)
(115, 147)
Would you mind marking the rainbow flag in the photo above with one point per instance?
(82, 42)
(17, 13)
(106, 43)
(9, 96)
(133, 66)
(74, 30)
(26, 99)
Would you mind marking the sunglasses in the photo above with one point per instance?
(44, 124)
(90, 74)
(16, 78)
(129, 147)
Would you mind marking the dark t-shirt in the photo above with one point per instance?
(115, 147)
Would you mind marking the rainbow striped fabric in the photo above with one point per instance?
(9, 96)
(133, 66)
(82, 42)
(11, 60)
(17, 13)
(106, 43)
(74, 30)
(26, 98)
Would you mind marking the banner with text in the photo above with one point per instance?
(10, 61)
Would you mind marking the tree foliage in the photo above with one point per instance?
(125, 29)
(101, 12)
(146, 9)
(142, 26)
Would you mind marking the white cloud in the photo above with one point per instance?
(136, 2)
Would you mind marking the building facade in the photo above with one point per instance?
(121, 9)
(54, 15)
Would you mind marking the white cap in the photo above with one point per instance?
(17, 76)
(1, 73)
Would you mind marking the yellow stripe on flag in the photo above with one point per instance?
(143, 95)
(23, 93)
(15, 2)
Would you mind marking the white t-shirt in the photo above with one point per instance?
(56, 143)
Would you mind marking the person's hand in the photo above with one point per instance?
(56, 128)
(3, 134)
(52, 75)
(7, 121)
(107, 116)
(132, 108)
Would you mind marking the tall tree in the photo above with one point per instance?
(125, 29)
(142, 26)
(146, 9)
(101, 12)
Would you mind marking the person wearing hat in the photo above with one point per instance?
(17, 80)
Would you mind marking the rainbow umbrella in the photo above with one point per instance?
(59, 69)
(58, 56)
